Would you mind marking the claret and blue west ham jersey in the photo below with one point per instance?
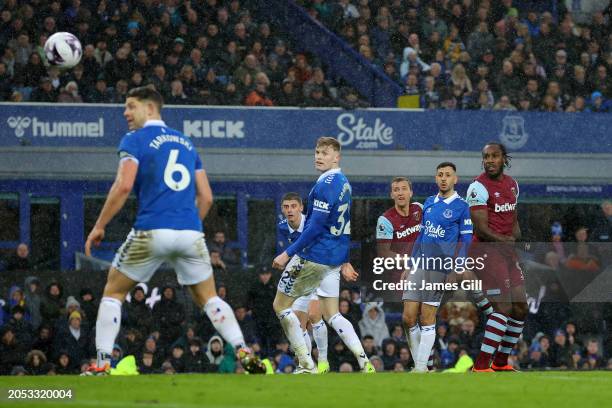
(288, 235)
(445, 223)
(165, 182)
(327, 233)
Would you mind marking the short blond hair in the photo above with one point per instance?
(325, 141)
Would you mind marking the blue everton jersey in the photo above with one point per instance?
(445, 223)
(165, 182)
(327, 233)
(287, 235)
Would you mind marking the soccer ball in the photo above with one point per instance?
(63, 50)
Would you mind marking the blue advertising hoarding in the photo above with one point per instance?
(85, 125)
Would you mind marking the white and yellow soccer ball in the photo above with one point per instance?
(63, 50)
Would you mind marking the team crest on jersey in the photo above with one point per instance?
(448, 213)
(513, 191)
(507, 283)
(497, 194)
(474, 194)
(416, 215)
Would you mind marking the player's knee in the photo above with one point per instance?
(409, 320)
(278, 305)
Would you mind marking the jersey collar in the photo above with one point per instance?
(300, 228)
(155, 122)
(447, 200)
(328, 172)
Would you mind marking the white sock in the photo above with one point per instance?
(319, 332)
(107, 328)
(414, 338)
(345, 330)
(307, 341)
(291, 326)
(428, 337)
(223, 319)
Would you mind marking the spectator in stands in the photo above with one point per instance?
(12, 352)
(20, 260)
(592, 358)
(100, 93)
(412, 85)
(195, 360)
(145, 365)
(259, 298)
(219, 243)
(168, 315)
(177, 95)
(259, 95)
(560, 352)
(74, 340)
(44, 92)
(21, 327)
(373, 323)
(504, 104)
(596, 103)
(36, 363)
(138, 313)
(369, 346)
(70, 93)
(389, 356)
(289, 95)
(582, 256)
(64, 366)
(247, 324)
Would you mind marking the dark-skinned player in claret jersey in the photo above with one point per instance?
(493, 198)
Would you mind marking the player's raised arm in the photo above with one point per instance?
(204, 194)
(117, 196)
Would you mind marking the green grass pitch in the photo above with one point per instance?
(543, 389)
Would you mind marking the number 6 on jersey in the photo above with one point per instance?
(173, 167)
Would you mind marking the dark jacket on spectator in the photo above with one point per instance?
(51, 306)
(168, 315)
(139, 316)
(12, 352)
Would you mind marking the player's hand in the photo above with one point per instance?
(95, 237)
(348, 272)
(280, 261)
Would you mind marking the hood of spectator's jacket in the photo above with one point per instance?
(29, 280)
(12, 290)
(407, 52)
(215, 359)
(370, 306)
(71, 301)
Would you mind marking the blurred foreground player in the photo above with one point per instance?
(174, 196)
(493, 197)
(318, 257)
(306, 308)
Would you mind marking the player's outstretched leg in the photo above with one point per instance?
(224, 321)
(291, 326)
(108, 322)
(346, 331)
